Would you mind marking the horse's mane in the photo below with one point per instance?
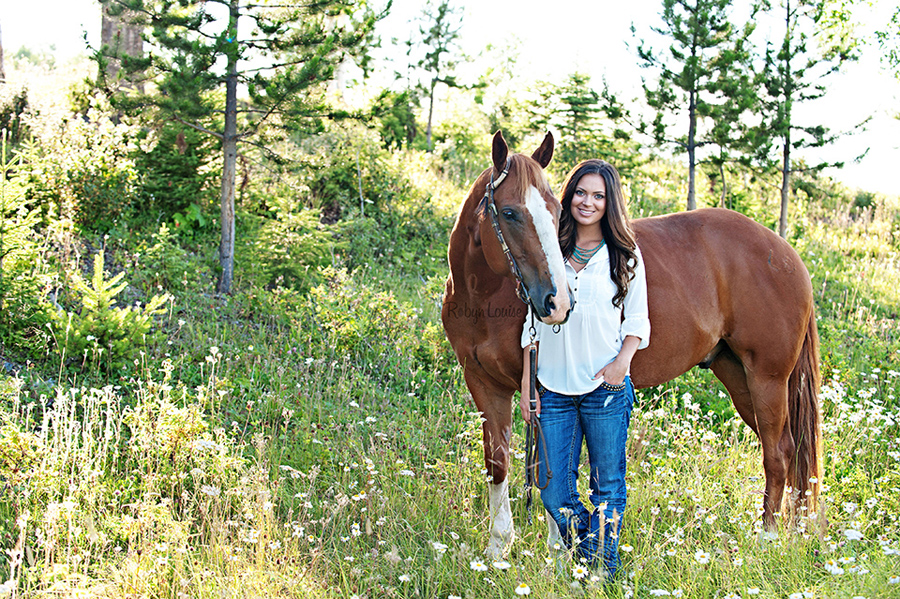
(528, 173)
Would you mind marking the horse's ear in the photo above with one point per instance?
(499, 151)
(544, 153)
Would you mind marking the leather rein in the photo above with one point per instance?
(534, 433)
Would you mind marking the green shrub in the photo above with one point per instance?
(22, 318)
(13, 104)
(174, 177)
(84, 170)
(165, 263)
(102, 334)
(287, 251)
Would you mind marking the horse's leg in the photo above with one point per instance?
(729, 369)
(495, 405)
(770, 407)
(761, 402)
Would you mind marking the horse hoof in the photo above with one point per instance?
(498, 547)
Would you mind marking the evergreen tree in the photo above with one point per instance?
(395, 111)
(203, 50)
(440, 30)
(586, 123)
(736, 84)
(692, 72)
(814, 44)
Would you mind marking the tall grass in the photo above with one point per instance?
(338, 455)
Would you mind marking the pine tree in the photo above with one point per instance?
(586, 122)
(813, 46)
(690, 85)
(440, 31)
(199, 58)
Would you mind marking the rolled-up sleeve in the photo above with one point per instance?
(526, 335)
(636, 319)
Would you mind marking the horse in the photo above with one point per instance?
(724, 293)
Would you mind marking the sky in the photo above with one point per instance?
(556, 38)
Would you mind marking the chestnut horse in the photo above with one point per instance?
(724, 293)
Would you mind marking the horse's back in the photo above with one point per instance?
(716, 275)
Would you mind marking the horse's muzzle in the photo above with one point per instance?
(551, 310)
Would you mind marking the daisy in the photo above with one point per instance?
(523, 589)
(853, 535)
(502, 565)
(439, 547)
(579, 572)
(659, 593)
(478, 566)
(894, 580)
(701, 556)
(753, 590)
(404, 578)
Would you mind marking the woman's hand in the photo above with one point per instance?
(525, 398)
(525, 405)
(615, 372)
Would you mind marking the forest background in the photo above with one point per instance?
(289, 434)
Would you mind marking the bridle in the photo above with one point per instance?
(534, 434)
(521, 289)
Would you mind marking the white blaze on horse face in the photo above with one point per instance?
(502, 532)
(547, 234)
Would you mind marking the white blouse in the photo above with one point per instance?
(592, 337)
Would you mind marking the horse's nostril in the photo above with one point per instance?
(549, 305)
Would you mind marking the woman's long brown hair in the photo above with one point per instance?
(614, 225)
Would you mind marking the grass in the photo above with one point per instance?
(323, 445)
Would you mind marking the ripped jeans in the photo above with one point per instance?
(600, 419)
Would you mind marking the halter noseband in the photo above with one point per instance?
(521, 290)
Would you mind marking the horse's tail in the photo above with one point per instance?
(805, 470)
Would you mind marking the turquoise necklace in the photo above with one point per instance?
(583, 256)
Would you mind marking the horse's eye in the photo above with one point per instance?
(509, 214)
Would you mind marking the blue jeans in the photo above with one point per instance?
(599, 418)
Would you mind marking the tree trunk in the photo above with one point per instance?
(785, 186)
(724, 186)
(430, 113)
(2, 72)
(122, 35)
(692, 153)
(786, 160)
(229, 170)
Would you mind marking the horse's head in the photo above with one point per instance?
(525, 218)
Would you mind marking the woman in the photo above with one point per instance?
(585, 393)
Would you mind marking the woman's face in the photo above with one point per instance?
(589, 201)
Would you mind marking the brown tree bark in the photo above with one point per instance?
(2, 72)
(122, 35)
(229, 170)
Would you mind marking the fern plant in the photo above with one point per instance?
(103, 334)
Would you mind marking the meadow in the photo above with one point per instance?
(310, 435)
